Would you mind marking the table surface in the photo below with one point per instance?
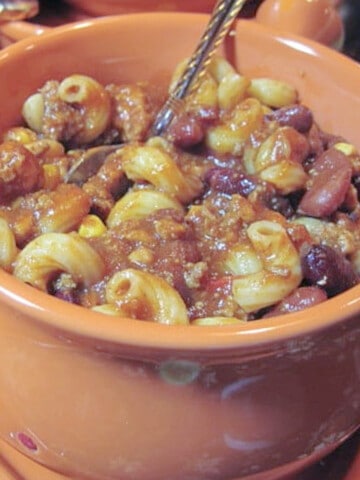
(343, 464)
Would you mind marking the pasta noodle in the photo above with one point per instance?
(273, 93)
(235, 128)
(51, 253)
(232, 86)
(139, 204)
(206, 92)
(157, 167)
(92, 97)
(33, 112)
(279, 160)
(8, 248)
(76, 93)
(278, 270)
(145, 296)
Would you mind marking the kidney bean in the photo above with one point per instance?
(331, 174)
(297, 116)
(186, 130)
(316, 141)
(281, 205)
(356, 183)
(328, 269)
(301, 298)
(207, 115)
(227, 180)
(64, 294)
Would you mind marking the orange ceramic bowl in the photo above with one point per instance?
(99, 398)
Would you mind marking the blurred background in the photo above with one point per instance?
(54, 13)
(350, 11)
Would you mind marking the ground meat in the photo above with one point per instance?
(20, 171)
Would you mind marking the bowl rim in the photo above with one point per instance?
(77, 321)
(42, 307)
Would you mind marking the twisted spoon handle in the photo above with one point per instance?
(222, 17)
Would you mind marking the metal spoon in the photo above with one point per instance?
(18, 9)
(222, 17)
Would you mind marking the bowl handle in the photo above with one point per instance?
(12, 16)
(11, 32)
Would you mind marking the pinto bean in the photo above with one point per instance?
(301, 298)
(331, 179)
(297, 116)
(229, 181)
(326, 268)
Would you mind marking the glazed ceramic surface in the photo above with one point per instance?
(94, 397)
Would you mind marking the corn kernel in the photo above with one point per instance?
(46, 148)
(346, 148)
(22, 135)
(91, 226)
(52, 177)
(141, 256)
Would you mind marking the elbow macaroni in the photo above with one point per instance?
(271, 271)
(33, 112)
(51, 253)
(279, 162)
(92, 97)
(156, 166)
(230, 135)
(79, 92)
(140, 204)
(8, 248)
(232, 86)
(273, 93)
(146, 296)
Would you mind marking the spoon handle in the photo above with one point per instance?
(222, 17)
(18, 9)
